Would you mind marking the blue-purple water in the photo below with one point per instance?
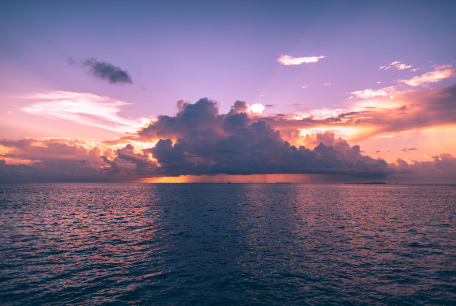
(227, 244)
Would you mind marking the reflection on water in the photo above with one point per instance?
(226, 244)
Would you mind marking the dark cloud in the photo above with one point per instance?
(199, 141)
(57, 160)
(106, 71)
(409, 149)
(441, 168)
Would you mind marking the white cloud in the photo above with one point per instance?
(83, 108)
(290, 60)
(398, 64)
(430, 77)
(327, 84)
(372, 93)
(257, 108)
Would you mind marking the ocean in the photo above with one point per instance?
(227, 244)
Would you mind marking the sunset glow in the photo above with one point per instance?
(191, 105)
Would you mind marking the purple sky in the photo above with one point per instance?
(117, 62)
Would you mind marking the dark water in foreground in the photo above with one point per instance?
(255, 244)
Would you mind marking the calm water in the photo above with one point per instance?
(216, 244)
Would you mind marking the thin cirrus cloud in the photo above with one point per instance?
(289, 60)
(83, 108)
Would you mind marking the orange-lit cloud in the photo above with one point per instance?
(290, 60)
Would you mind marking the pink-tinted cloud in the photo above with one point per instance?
(373, 93)
(406, 112)
(430, 77)
(290, 60)
(398, 64)
(83, 108)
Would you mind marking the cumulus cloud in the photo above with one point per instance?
(441, 168)
(82, 108)
(199, 141)
(290, 60)
(58, 160)
(430, 77)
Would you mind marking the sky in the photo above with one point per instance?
(216, 91)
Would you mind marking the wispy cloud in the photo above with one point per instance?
(83, 108)
(398, 64)
(430, 77)
(290, 60)
(409, 149)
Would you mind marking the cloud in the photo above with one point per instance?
(398, 64)
(327, 84)
(55, 160)
(440, 169)
(409, 149)
(430, 77)
(380, 116)
(105, 71)
(200, 141)
(290, 60)
(371, 93)
(257, 108)
(82, 108)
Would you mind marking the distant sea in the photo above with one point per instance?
(227, 244)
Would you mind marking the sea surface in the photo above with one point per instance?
(227, 244)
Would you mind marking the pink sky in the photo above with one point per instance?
(166, 99)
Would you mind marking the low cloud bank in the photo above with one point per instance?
(200, 141)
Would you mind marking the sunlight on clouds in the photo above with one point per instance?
(430, 77)
(257, 108)
(370, 93)
(373, 104)
(290, 60)
(344, 132)
(319, 114)
(137, 145)
(83, 108)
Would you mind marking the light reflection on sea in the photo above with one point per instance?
(268, 244)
